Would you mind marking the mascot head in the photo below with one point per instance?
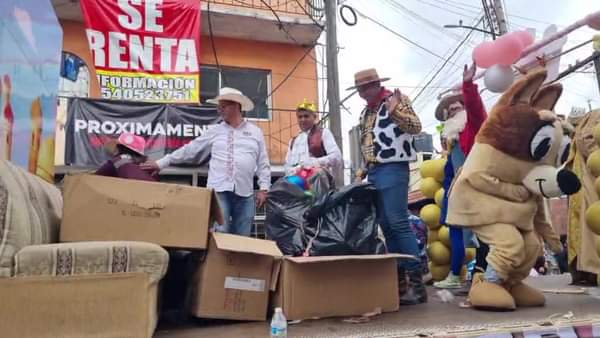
(523, 126)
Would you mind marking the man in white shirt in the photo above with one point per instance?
(238, 152)
(314, 146)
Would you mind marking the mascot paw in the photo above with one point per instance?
(526, 296)
(490, 297)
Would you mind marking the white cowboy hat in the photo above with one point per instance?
(232, 94)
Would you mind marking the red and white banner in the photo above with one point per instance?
(145, 50)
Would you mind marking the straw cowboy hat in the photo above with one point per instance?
(132, 142)
(440, 110)
(365, 77)
(232, 94)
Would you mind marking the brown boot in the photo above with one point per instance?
(526, 296)
(416, 293)
(490, 296)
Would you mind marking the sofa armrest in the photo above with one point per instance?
(84, 258)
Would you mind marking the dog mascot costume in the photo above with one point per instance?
(499, 193)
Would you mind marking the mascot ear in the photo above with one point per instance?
(524, 89)
(547, 97)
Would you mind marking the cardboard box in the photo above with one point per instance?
(235, 279)
(331, 286)
(106, 305)
(98, 208)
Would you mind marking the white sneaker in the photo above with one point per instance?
(451, 282)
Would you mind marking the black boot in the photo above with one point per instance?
(402, 282)
(416, 292)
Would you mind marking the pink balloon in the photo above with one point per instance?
(525, 37)
(508, 49)
(484, 55)
(504, 51)
(593, 20)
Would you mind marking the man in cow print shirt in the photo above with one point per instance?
(387, 126)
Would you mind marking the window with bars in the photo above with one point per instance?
(254, 83)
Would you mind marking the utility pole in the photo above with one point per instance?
(500, 17)
(333, 84)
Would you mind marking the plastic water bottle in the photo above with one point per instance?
(278, 324)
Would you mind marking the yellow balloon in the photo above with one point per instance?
(593, 163)
(433, 236)
(470, 254)
(592, 217)
(444, 235)
(45, 164)
(429, 186)
(597, 134)
(597, 185)
(439, 253)
(433, 169)
(430, 215)
(598, 248)
(439, 272)
(439, 197)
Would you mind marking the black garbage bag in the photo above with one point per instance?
(286, 206)
(344, 223)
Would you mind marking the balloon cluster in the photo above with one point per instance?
(592, 214)
(438, 249)
(498, 56)
(300, 179)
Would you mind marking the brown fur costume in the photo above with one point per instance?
(499, 191)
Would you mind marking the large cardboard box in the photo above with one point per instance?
(235, 279)
(331, 286)
(98, 208)
(104, 305)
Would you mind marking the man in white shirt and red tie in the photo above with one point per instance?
(314, 146)
(238, 152)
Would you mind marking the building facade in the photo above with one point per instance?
(263, 48)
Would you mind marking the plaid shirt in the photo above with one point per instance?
(403, 116)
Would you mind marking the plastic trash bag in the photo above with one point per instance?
(344, 223)
(286, 206)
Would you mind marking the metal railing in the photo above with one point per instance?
(313, 8)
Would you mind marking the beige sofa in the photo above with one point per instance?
(84, 289)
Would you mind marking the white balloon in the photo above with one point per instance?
(498, 78)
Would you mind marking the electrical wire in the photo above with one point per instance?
(404, 38)
(318, 24)
(444, 9)
(308, 50)
(445, 63)
(281, 26)
(403, 10)
(212, 39)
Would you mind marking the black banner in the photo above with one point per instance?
(166, 127)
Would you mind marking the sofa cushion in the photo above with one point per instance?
(83, 258)
(30, 213)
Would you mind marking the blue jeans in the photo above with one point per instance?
(391, 181)
(238, 213)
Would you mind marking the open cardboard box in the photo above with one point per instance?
(332, 286)
(98, 208)
(236, 278)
